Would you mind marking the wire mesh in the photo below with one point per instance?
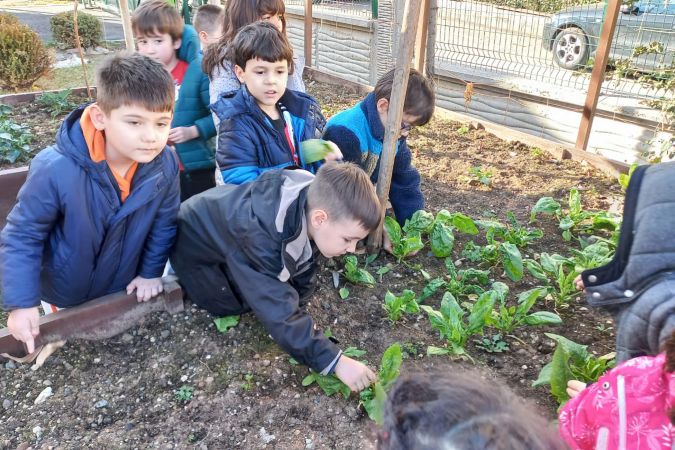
(354, 8)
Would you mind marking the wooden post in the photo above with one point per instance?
(308, 33)
(395, 116)
(78, 43)
(598, 74)
(126, 25)
(421, 38)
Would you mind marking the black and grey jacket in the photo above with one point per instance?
(638, 285)
(245, 248)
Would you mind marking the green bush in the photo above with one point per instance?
(23, 56)
(8, 19)
(63, 30)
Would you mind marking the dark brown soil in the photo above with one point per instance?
(121, 393)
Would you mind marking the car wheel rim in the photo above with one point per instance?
(569, 49)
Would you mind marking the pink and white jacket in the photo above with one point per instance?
(627, 409)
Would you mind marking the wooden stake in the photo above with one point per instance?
(598, 74)
(79, 49)
(421, 38)
(395, 116)
(308, 33)
(126, 25)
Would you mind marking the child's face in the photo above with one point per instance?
(274, 19)
(160, 47)
(407, 123)
(132, 133)
(266, 81)
(334, 238)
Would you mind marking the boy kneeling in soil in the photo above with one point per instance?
(97, 213)
(250, 247)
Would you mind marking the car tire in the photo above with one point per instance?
(570, 48)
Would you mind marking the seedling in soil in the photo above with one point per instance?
(624, 179)
(344, 293)
(225, 323)
(248, 383)
(603, 328)
(496, 253)
(591, 256)
(57, 103)
(459, 283)
(492, 344)
(571, 361)
(462, 130)
(383, 270)
(558, 272)
(374, 397)
(356, 274)
(184, 393)
(402, 244)
(397, 305)
(14, 139)
(512, 232)
(483, 176)
(450, 321)
(508, 318)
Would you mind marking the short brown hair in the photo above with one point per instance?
(127, 78)
(419, 95)
(157, 17)
(345, 191)
(261, 40)
(208, 18)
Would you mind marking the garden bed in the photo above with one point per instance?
(176, 382)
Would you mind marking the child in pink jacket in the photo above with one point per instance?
(631, 407)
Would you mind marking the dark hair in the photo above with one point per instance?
(420, 98)
(669, 349)
(429, 411)
(157, 17)
(345, 191)
(261, 40)
(238, 14)
(207, 17)
(127, 78)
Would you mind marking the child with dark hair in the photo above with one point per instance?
(359, 133)
(431, 411)
(263, 124)
(161, 34)
(97, 213)
(251, 247)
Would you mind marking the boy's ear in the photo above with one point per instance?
(382, 105)
(203, 35)
(317, 217)
(177, 43)
(98, 117)
(239, 72)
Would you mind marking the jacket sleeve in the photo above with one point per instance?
(236, 153)
(405, 193)
(163, 233)
(276, 304)
(205, 124)
(346, 141)
(22, 240)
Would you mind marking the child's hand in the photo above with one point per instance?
(579, 283)
(335, 154)
(574, 388)
(146, 288)
(354, 374)
(183, 134)
(24, 325)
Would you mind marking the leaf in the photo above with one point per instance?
(544, 376)
(437, 351)
(344, 293)
(420, 222)
(542, 318)
(545, 205)
(353, 352)
(308, 380)
(370, 259)
(574, 202)
(356, 274)
(442, 240)
(512, 261)
(374, 405)
(390, 365)
(382, 270)
(225, 323)
(313, 150)
(393, 230)
(431, 288)
(566, 223)
(560, 374)
(527, 299)
(501, 289)
(480, 312)
(464, 224)
(411, 244)
(577, 351)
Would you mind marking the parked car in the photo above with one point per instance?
(573, 34)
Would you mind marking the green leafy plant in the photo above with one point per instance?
(402, 244)
(356, 274)
(483, 176)
(57, 103)
(248, 383)
(496, 253)
(396, 305)
(492, 344)
(452, 324)
(460, 283)
(184, 393)
(374, 397)
(508, 318)
(313, 150)
(23, 56)
(624, 178)
(462, 130)
(14, 139)
(558, 272)
(571, 361)
(331, 384)
(512, 232)
(344, 293)
(591, 256)
(63, 29)
(225, 323)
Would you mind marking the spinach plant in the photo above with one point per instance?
(356, 274)
(492, 344)
(571, 361)
(460, 283)
(225, 323)
(512, 232)
(624, 179)
(558, 272)
(374, 397)
(508, 318)
(396, 305)
(14, 138)
(496, 253)
(592, 255)
(57, 103)
(483, 176)
(402, 244)
(330, 384)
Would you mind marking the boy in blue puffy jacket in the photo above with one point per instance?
(262, 124)
(97, 213)
(359, 133)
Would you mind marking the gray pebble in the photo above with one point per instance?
(10, 365)
(165, 334)
(127, 338)
(6, 404)
(101, 404)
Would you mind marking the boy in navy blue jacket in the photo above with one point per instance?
(263, 124)
(359, 133)
(98, 211)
